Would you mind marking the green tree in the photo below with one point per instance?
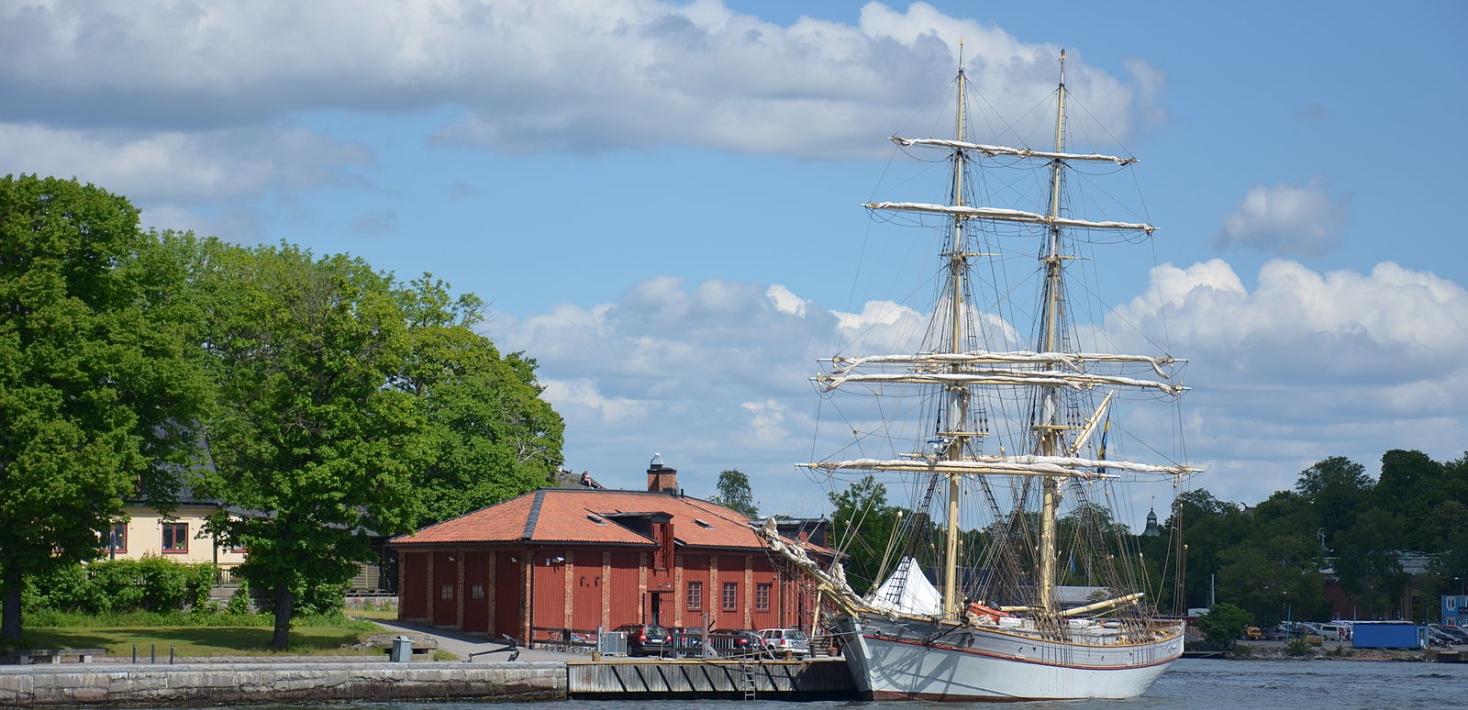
(1210, 526)
(311, 442)
(1273, 577)
(1339, 489)
(734, 492)
(863, 524)
(1410, 486)
(1368, 564)
(98, 390)
(1223, 624)
(492, 436)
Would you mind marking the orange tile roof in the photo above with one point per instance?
(571, 515)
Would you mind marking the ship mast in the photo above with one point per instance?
(1049, 429)
(957, 395)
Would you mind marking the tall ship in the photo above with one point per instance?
(1008, 576)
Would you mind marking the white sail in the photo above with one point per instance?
(1065, 466)
(1074, 361)
(1000, 214)
(993, 150)
(1053, 378)
(907, 592)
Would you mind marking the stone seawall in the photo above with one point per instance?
(73, 685)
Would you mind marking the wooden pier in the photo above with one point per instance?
(820, 679)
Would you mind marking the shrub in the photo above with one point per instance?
(153, 584)
(240, 604)
(1299, 647)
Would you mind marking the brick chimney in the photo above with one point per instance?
(661, 479)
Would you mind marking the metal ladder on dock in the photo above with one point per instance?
(746, 676)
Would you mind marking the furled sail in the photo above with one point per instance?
(992, 150)
(1005, 215)
(1067, 466)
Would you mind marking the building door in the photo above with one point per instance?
(657, 603)
(476, 591)
(508, 593)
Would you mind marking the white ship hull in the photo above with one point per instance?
(890, 661)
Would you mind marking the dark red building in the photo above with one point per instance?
(583, 558)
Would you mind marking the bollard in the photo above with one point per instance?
(152, 653)
(135, 654)
(170, 654)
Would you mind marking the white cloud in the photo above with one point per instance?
(1308, 365)
(1285, 220)
(1299, 367)
(584, 75)
(174, 166)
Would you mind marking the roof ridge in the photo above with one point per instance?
(534, 516)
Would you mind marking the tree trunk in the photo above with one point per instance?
(284, 602)
(10, 617)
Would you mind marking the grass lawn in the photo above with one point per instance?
(314, 637)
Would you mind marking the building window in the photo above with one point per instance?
(476, 591)
(446, 592)
(762, 597)
(118, 540)
(695, 596)
(176, 537)
(731, 596)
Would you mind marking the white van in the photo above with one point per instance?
(1336, 632)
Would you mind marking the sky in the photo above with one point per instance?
(661, 201)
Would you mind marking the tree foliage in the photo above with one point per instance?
(862, 523)
(313, 452)
(735, 493)
(1223, 624)
(98, 387)
(491, 435)
(1337, 525)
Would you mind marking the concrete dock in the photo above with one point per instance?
(202, 681)
(822, 679)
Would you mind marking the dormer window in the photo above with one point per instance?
(703, 523)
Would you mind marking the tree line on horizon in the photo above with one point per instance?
(321, 400)
(1272, 559)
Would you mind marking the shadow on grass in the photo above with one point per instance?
(196, 640)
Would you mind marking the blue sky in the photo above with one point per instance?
(660, 200)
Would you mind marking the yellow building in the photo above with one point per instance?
(179, 537)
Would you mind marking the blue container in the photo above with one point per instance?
(1388, 634)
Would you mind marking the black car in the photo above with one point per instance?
(647, 639)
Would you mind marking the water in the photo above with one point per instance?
(1189, 685)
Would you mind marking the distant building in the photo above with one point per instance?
(584, 558)
(1152, 530)
(178, 536)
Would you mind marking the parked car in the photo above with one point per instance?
(646, 639)
(687, 641)
(1456, 635)
(781, 641)
(736, 642)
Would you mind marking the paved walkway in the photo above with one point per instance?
(464, 645)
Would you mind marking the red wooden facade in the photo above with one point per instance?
(584, 559)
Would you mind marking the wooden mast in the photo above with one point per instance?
(1049, 427)
(958, 396)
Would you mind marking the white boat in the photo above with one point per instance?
(1016, 434)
